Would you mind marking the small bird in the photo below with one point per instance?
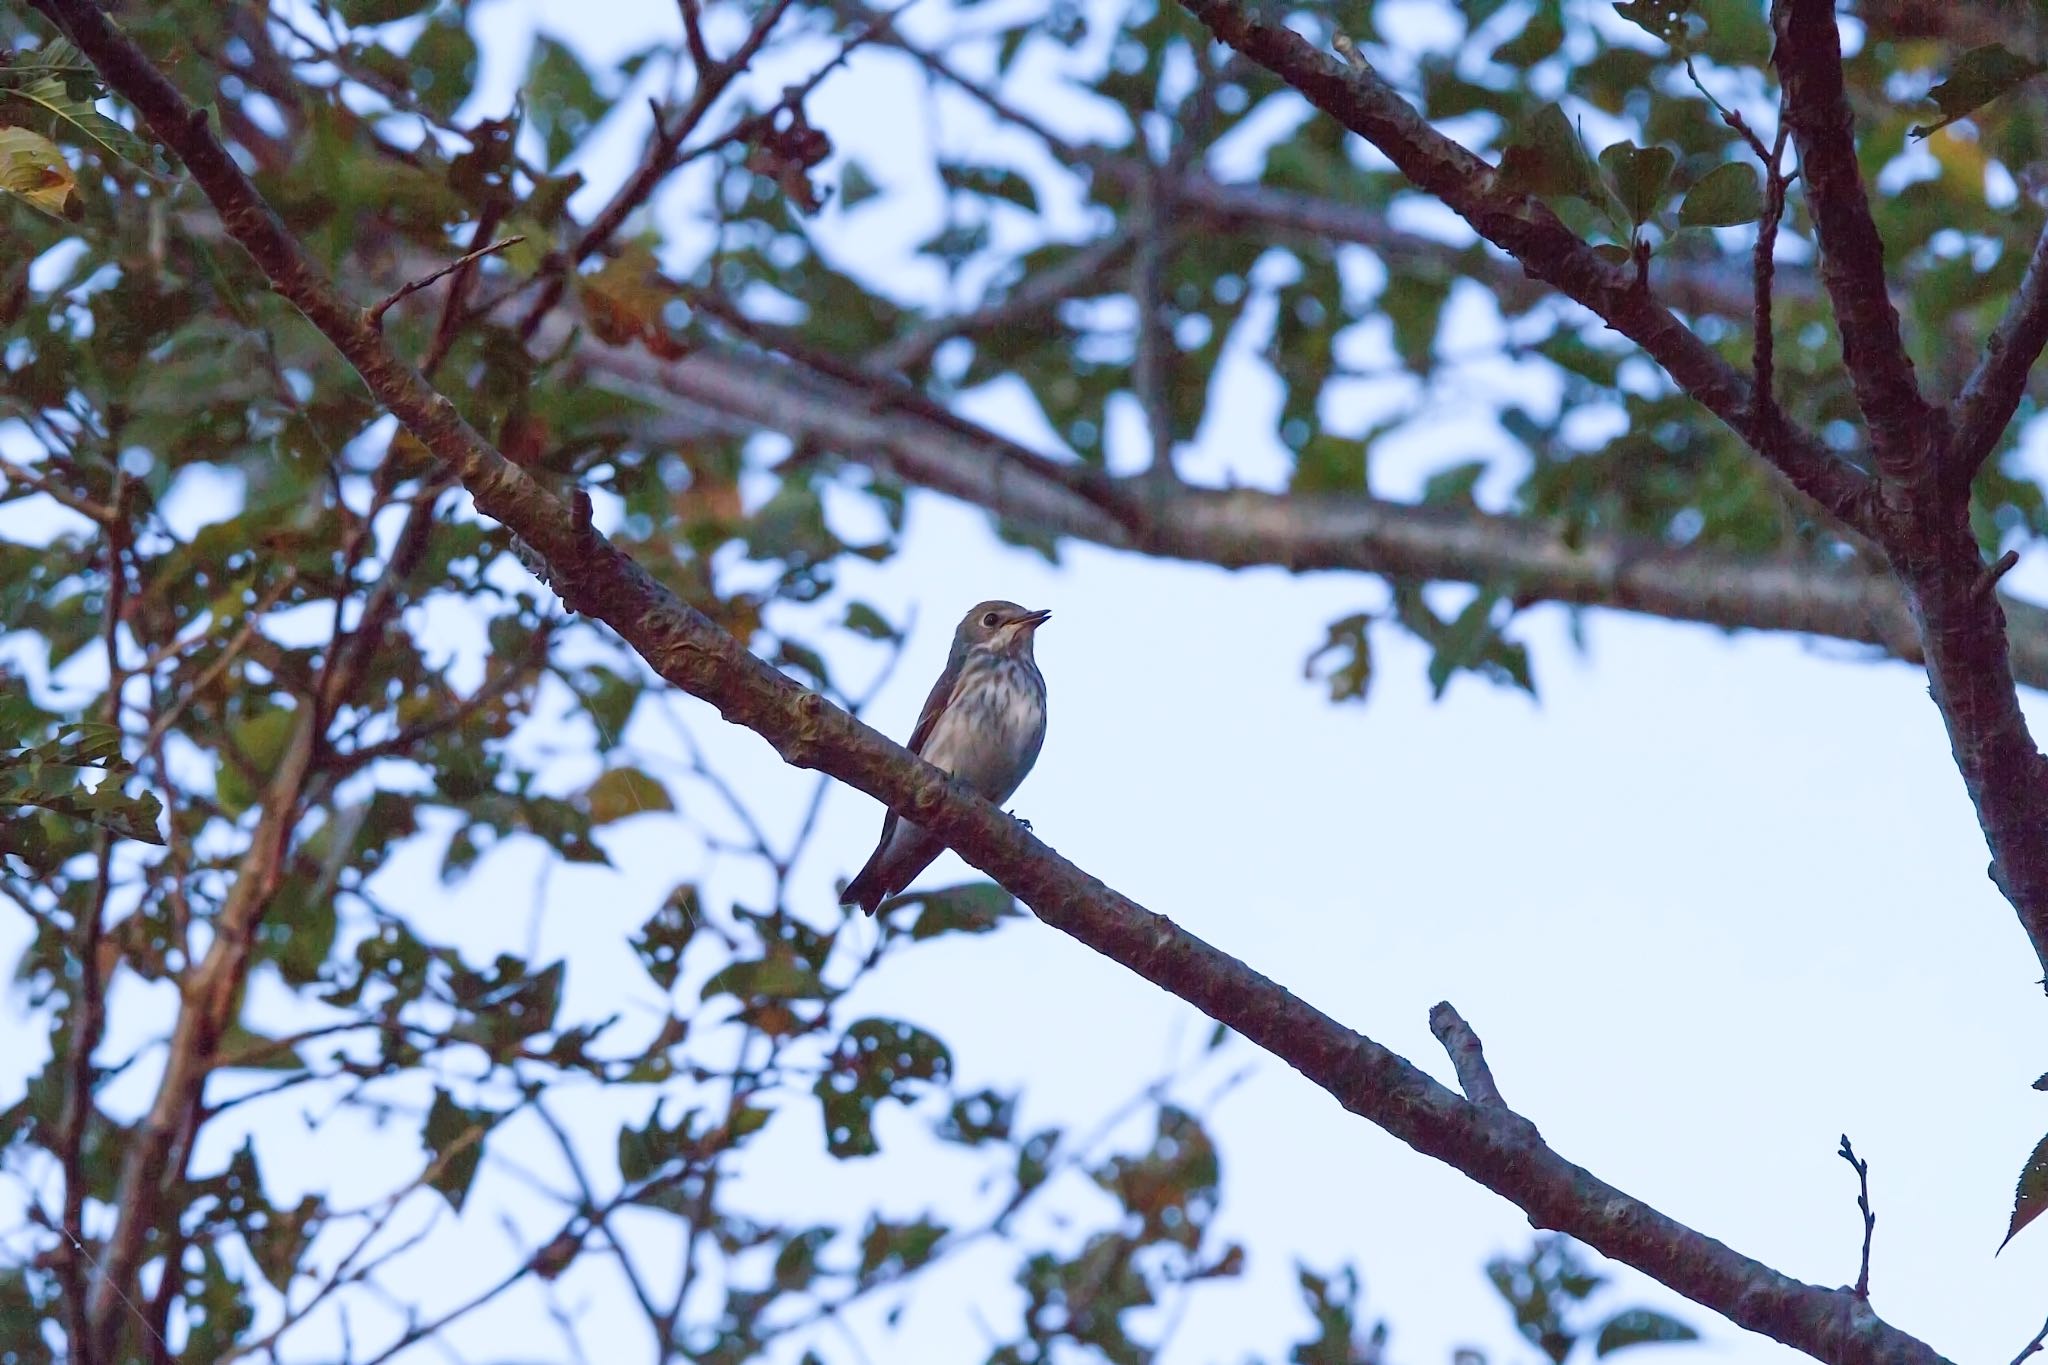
(983, 723)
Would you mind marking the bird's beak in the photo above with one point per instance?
(1034, 619)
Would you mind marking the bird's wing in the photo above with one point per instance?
(927, 721)
(934, 707)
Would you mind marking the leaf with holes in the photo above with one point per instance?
(1663, 19)
(876, 1060)
(665, 936)
(984, 1116)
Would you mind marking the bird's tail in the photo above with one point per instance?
(870, 885)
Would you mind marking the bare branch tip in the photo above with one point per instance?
(1986, 581)
(1468, 1057)
(1861, 1289)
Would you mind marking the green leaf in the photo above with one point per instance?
(1663, 19)
(1639, 1327)
(1545, 158)
(993, 182)
(442, 65)
(108, 805)
(1980, 76)
(875, 1060)
(898, 1247)
(2031, 1195)
(1454, 486)
(259, 739)
(665, 936)
(856, 186)
(454, 1139)
(280, 1243)
(1414, 304)
(1639, 176)
(1541, 37)
(81, 118)
(1730, 194)
(643, 1151)
(363, 13)
(562, 101)
(778, 976)
(970, 908)
(622, 792)
(1351, 675)
(863, 619)
(1329, 463)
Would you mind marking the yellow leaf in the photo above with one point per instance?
(621, 792)
(34, 170)
(629, 300)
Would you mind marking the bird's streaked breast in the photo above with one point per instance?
(991, 730)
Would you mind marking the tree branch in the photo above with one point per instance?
(1468, 1058)
(1243, 528)
(1494, 1147)
(1809, 62)
(1862, 1169)
(1981, 412)
(1526, 229)
(1925, 536)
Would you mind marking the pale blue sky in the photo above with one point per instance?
(1711, 903)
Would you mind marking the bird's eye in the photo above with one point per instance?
(989, 620)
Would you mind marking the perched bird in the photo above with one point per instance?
(982, 723)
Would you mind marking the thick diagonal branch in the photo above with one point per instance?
(685, 648)
(1809, 62)
(1526, 229)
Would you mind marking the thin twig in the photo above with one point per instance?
(1862, 1169)
(57, 492)
(2034, 1346)
(453, 315)
(596, 1213)
(693, 33)
(376, 315)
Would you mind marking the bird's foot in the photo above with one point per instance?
(1019, 819)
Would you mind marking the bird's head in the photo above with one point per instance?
(1001, 627)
